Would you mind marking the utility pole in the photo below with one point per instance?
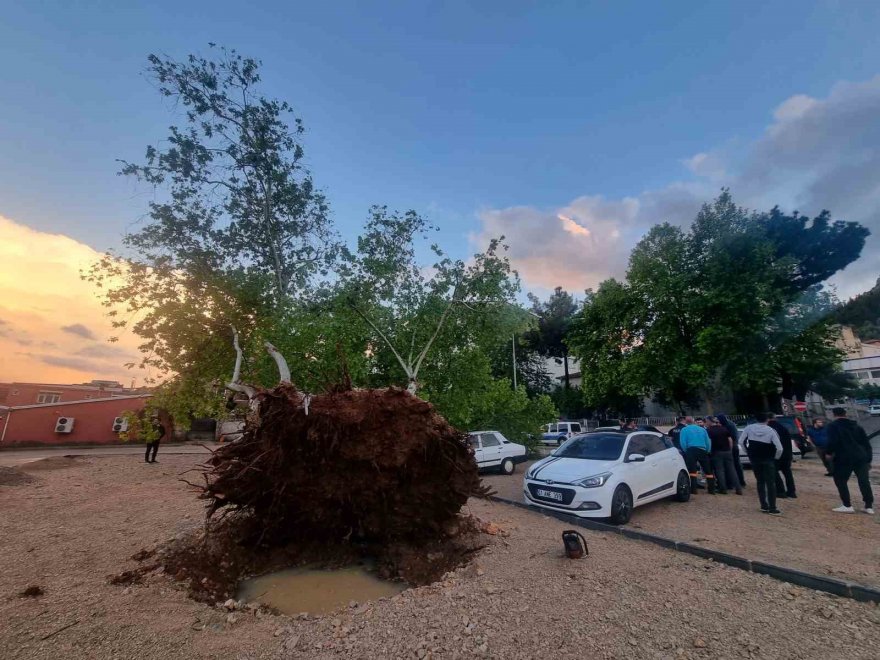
(513, 350)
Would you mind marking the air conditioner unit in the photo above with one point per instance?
(120, 425)
(64, 425)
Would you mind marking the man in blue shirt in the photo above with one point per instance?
(696, 445)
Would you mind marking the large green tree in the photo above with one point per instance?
(732, 300)
(554, 319)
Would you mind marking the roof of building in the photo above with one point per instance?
(78, 402)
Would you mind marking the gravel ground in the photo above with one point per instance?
(808, 535)
(81, 520)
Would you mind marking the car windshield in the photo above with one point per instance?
(593, 446)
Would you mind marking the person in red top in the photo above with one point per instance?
(723, 446)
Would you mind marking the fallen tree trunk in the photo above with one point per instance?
(374, 465)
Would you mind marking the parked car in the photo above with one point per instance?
(744, 456)
(874, 410)
(606, 474)
(556, 434)
(493, 451)
(639, 427)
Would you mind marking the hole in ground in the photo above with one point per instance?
(213, 563)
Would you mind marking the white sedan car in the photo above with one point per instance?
(493, 451)
(605, 474)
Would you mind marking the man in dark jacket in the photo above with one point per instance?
(727, 423)
(153, 445)
(675, 432)
(850, 451)
(783, 465)
(723, 446)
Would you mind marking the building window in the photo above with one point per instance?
(862, 375)
(48, 397)
(876, 374)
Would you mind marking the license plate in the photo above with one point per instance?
(549, 494)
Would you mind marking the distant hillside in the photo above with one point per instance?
(862, 313)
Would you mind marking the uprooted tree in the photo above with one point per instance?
(239, 235)
(374, 465)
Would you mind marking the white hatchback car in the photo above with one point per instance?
(493, 451)
(605, 474)
(874, 409)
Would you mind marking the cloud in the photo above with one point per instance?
(815, 154)
(104, 351)
(52, 296)
(80, 330)
(77, 364)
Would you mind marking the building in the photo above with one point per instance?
(33, 414)
(862, 357)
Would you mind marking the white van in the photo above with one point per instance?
(556, 434)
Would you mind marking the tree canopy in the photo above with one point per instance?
(733, 300)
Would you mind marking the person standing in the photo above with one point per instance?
(696, 445)
(818, 435)
(675, 432)
(850, 451)
(763, 447)
(153, 445)
(783, 465)
(723, 445)
(734, 433)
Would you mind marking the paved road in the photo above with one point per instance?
(14, 457)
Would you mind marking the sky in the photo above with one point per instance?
(570, 129)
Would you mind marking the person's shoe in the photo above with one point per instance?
(869, 510)
(792, 496)
(154, 461)
(775, 512)
(829, 474)
(722, 492)
(781, 496)
(765, 509)
(844, 509)
(146, 461)
(739, 491)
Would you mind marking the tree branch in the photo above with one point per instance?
(406, 368)
(233, 384)
(283, 369)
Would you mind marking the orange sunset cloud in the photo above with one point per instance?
(52, 325)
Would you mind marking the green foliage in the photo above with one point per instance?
(474, 401)
(418, 317)
(570, 403)
(862, 313)
(733, 300)
(240, 237)
(140, 424)
(554, 320)
(867, 391)
(603, 337)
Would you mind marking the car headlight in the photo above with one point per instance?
(594, 481)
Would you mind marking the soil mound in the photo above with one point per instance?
(376, 466)
(10, 476)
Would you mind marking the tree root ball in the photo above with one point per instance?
(379, 466)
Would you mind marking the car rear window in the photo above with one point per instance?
(593, 446)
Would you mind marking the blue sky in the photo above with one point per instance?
(457, 111)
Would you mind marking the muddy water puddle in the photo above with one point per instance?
(316, 591)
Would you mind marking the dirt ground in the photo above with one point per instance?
(80, 521)
(808, 535)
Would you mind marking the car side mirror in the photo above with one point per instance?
(635, 458)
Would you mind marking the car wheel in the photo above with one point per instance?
(507, 466)
(683, 487)
(621, 505)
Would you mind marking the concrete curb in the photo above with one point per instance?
(829, 585)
